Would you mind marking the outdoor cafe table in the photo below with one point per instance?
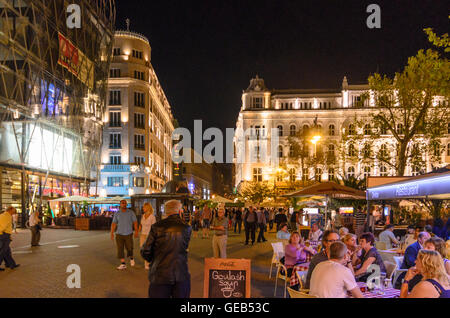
(378, 293)
(297, 268)
(388, 255)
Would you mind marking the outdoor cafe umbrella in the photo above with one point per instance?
(220, 199)
(329, 190)
(73, 198)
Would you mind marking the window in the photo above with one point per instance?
(383, 171)
(139, 75)
(351, 150)
(437, 150)
(356, 101)
(115, 141)
(257, 174)
(305, 174)
(116, 51)
(138, 182)
(115, 181)
(383, 151)
(139, 142)
(383, 130)
(291, 151)
(292, 175)
(115, 119)
(139, 160)
(279, 177)
(448, 150)
(318, 175)
(114, 97)
(366, 172)
(280, 130)
(137, 54)
(139, 99)
(256, 154)
(330, 151)
(415, 170)
(351, 172)
(448, 128)
(139, 120)
(367, 130)
(331, 130)
(400, 129)
(331, 174)
(280, 151)
(292, 130)
(257, 102)
(115, 159)
(367, 151)
(114, 72)
(351, 129)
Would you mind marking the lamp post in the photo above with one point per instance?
(315, 140)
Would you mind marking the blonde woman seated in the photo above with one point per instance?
(435, 282)
(437, 244)
(353, 250)
(147, 220)
(296, 252)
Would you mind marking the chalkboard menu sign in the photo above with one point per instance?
(227, 278)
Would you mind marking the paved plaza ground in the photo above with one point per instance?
(43, 269)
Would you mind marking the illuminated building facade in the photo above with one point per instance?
(331, 112)
(137, 144)
(52, 98)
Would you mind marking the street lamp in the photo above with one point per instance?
(315, 140)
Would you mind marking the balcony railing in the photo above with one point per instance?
(116, 168)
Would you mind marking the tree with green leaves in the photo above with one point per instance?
(255, 192)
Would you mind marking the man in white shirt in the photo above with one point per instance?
(388, 237)
(35, 228)
(331, 279)
(316, 233)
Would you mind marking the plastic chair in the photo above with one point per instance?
(390, 269)
(278, 253)
(398, 260)
(299, 294)
(301, 275)
(380, 245)
(281, 276)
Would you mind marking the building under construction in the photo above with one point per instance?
(52, 98)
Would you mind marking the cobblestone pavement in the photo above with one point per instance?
(43, 269)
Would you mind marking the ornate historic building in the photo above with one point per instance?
(137, 144)
(323, 117)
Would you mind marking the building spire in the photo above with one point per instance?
(127, 21)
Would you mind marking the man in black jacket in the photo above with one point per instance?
(250, 225)
(166, 251)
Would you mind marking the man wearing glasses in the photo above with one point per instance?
(328, 238)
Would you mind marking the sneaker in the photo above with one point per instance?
(1, 269)
(132, 263)
(122, 266)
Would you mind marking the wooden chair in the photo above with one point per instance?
(278, 253)
(299, 294)
(301, 275)
(282, 276)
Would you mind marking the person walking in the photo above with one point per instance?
(262, 222)
(271, 218)
(238, 217)
(250, 225)
(280, 218)
(166, 249)
(5, 238)
(206, 219)
(220, 227)
(147, 220)
(35, 228)
(359, 221)
(196, 220)
(15, 219)
(123, 223)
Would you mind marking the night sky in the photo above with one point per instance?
(205, 52)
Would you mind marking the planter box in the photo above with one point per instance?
(82, 224)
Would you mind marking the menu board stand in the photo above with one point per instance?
(227, 278)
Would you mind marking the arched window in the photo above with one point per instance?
(292, 175)
(383, 171)
(383, 130)
(292, 130)
(331, 151)
(367, 151)
(291, 151)
(351, 150)
(367, 130)
(351, 172)
(437, 150)
(331, 174)
(331, 130)
(280, 151)
(366, 171)
(305, 174)
(400, 129)
(351, 129)
(280, 130)
(279, 177)
(318, 175)
(383, 151)
(305, 129)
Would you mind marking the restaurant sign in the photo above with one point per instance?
(71, 58)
